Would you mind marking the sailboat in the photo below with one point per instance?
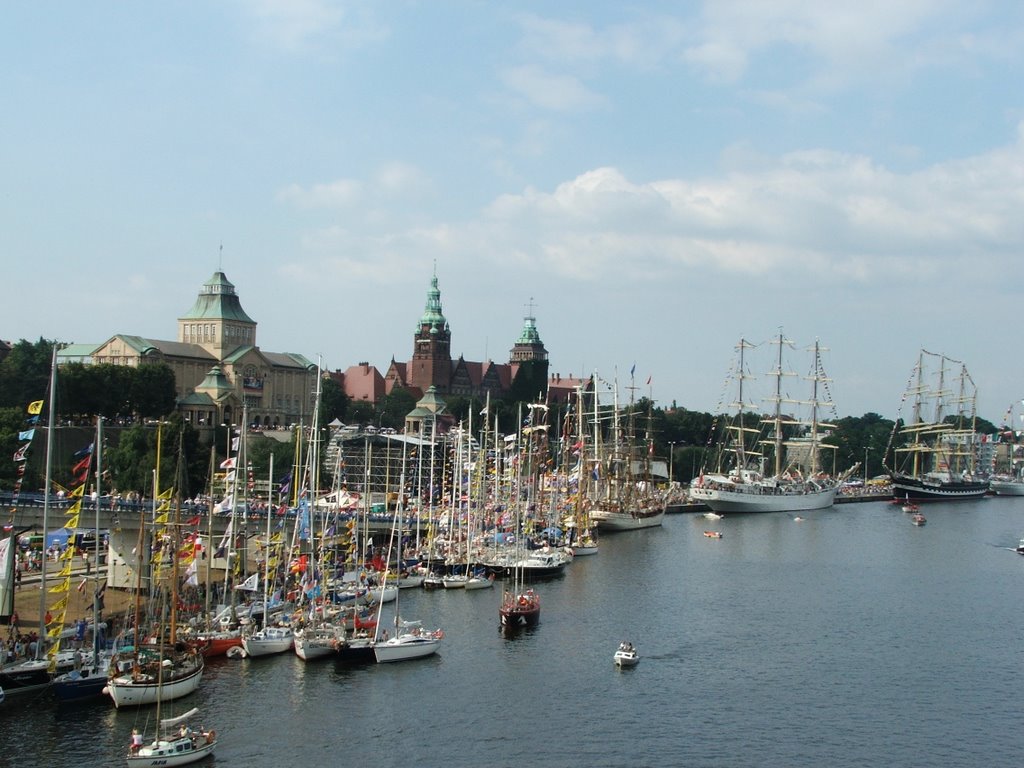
(174, 743)
(624, 499)
(89, 676)
(1009, 480)
(520, 605)
(935, 449)
(410, 640)
(268, 639)
(163, 668)
(796, 482)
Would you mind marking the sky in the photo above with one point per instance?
(656, 180)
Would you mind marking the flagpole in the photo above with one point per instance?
(52, 410)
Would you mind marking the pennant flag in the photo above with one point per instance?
(165, 495)
(19, 455)
(649, 380)
(194, 521)
(222, 548)
(32, 420)
(77, 492)
(251, 584)
(81, 585)
(87, 451)
(192, 575)
(28, 434)
(35, 408)
(299, 564)
(228, 463)
(632, 371)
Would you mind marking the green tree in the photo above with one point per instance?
(25, 373)
(334, 403)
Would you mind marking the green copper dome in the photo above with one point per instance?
(432, 314)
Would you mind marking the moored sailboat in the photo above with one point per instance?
(739, 483)
(935, 449)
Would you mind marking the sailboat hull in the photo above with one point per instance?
(904, 487)
(128, 691)
(758, 500)
(624, 521)
(405, 647)
(268, 641)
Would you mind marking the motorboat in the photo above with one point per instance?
(918, 519)
(713, 534)
(626, 655)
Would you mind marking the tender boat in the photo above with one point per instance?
(1020, 547)
(713, 534)
(626, 655)
(918, 519)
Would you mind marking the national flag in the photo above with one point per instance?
(228, 463)
(28, 434)
(35, 407)
(192, 574)
(285, 485)
(19, 455)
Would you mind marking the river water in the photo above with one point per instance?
(850, 638)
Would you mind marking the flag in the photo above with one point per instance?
(299, 564)
(648, 381)
(35, 408)
(193, 521)
(19, 455)
(28, 434)
(81, 585)
(285, 485)
(234, 444)
(192, 575)
(228, 463)
(632, 370)
(222, 548)
(87, 451)
(251, 584)
(81, 469)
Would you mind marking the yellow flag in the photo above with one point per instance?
(161, 519)
(75, 508)
(72, 522)
(35, 408)
(78, 492)
(166, 495)
(67, 554)
(60, 606)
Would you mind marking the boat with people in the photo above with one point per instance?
(626, 655)
(793, 445)
(936, 445)
(174, 743)
(713, 534)
(918, 519)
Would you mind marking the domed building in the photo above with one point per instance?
(218, 367)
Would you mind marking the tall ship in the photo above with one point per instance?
(790, 445)
(935, 449)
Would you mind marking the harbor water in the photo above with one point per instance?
(848, 638)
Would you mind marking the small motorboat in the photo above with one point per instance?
(1020, 547)
(910, 506)
(713, 516)
(713, 534)
(918, 519)
(626, 656)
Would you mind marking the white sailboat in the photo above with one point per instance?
(1009, 479)
(796, 483)
(175, 743)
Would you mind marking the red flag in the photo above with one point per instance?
(193, 521)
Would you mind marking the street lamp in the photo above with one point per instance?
(671, 459)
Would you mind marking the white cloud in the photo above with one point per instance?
(298, 25)
(341, 193)
(560, 93)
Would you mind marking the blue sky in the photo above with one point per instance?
(660, 179)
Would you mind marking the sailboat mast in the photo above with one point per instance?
(51, 423)
(777, 429)
(96, 541)
(266, 545)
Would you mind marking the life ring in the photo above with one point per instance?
(210, 736)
